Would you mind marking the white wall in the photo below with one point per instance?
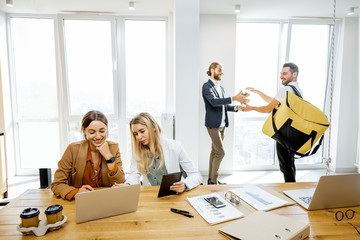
(345, 116)
(217, 38)
(358, 80)
(186, 55)
(217, 34)
(2, 34)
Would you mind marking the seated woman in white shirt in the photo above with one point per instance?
(155, 156)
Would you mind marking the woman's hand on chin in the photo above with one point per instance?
(104, 150)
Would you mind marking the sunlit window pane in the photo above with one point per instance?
(257, 59)
(145, 67)
(252, 147)
(311, 55)
(74, 132)
(39, 144)
(89, 66)
(35, 67)
(256, 66)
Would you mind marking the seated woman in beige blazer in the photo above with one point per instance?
(93, 162)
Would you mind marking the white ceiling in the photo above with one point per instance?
(261, 9)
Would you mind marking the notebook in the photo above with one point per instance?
(334, 191)
(106, 202)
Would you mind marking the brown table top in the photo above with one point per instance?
(154, 220)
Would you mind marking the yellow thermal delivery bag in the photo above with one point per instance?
(297, 125)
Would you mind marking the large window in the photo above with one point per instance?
(257, 66)
(145, 67)
(262, 48)
(312, 57)
(145, 70)
(89, 64)
(34, 75)
(109, 64)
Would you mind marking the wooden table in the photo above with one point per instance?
(154, 220)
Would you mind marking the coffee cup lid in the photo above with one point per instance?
(29, 212)
(53, 209)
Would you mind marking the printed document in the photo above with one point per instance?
(259, 198)
(211, 214)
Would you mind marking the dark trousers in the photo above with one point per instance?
(286, 163)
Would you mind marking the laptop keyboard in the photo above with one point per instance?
(306, 199)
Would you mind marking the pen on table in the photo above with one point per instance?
(185, 214)
(179, 211)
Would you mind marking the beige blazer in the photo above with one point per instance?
(71, 168)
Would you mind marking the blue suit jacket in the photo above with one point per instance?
(213, 105)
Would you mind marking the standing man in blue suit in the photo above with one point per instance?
(216, 117)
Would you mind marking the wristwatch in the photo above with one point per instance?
(111, 160)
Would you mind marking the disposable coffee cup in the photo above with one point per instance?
(30, 218)
(54, 214)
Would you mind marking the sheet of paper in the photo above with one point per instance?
(211, 214)
(259, 198)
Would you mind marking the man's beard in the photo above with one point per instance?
(287, 81)
(217, 77)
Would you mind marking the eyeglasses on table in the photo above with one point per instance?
(349, 214)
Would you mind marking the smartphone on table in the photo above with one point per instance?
(215, 202)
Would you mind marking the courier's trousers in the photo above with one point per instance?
(286, 163)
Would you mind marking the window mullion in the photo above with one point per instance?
(61, 83)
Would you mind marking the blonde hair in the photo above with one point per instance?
(140, 151)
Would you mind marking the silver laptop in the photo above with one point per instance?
(106, 202)
(334, 191)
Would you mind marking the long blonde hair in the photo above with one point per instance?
(140, 151)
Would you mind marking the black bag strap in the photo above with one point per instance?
(309, 153)
(276, 130)
(297, 93)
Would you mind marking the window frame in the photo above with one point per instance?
(14, 96)
(289, 23)
(119, 81)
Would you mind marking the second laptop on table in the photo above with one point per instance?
(334, 191)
